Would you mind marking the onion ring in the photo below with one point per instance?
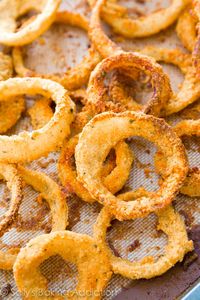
(189, 91)
(97, 93)
(76, 248)
(49, 191)
(75, 77)
(122, 24)
(186, 29)
(192, 183)
(169, 221)
(40, 113)
(11, 10)
(99, 136)
(29, 146)
(113, 179)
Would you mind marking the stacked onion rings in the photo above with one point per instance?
(103, 129)
(49, 190)
(28, 146)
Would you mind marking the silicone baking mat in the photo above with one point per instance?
(63, 46)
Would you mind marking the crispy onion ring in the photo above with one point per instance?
(151, 24)
(49, 191)
(97, 93)
(92, 263)
(75, 77)
(113, 179)
(29, 146)
(192, 183)
(40, 113)
(10, 111)
(189, 91)
(169, 221)
(186, 29)
(11, 10)
(99, 136)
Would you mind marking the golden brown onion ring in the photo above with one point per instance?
(113, 179)
(169, 222)
(11, 10)
(49, 191)
(75, 77)
(97, 93)
(189, 91)
(192, 183)
(29, 146)
(102, 133)
(92, 263)
(151, 24)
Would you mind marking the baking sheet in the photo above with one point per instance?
(63, 46)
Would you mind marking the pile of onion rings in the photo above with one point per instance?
(85, 118)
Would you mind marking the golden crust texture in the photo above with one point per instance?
(28, 146)
(169, 222)
(191, 186)
(114, 178)
(107, 129)
(73, 78)
(49, 191)
(117, 17)
(97, 93)
(11, 10)
(92, 263)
